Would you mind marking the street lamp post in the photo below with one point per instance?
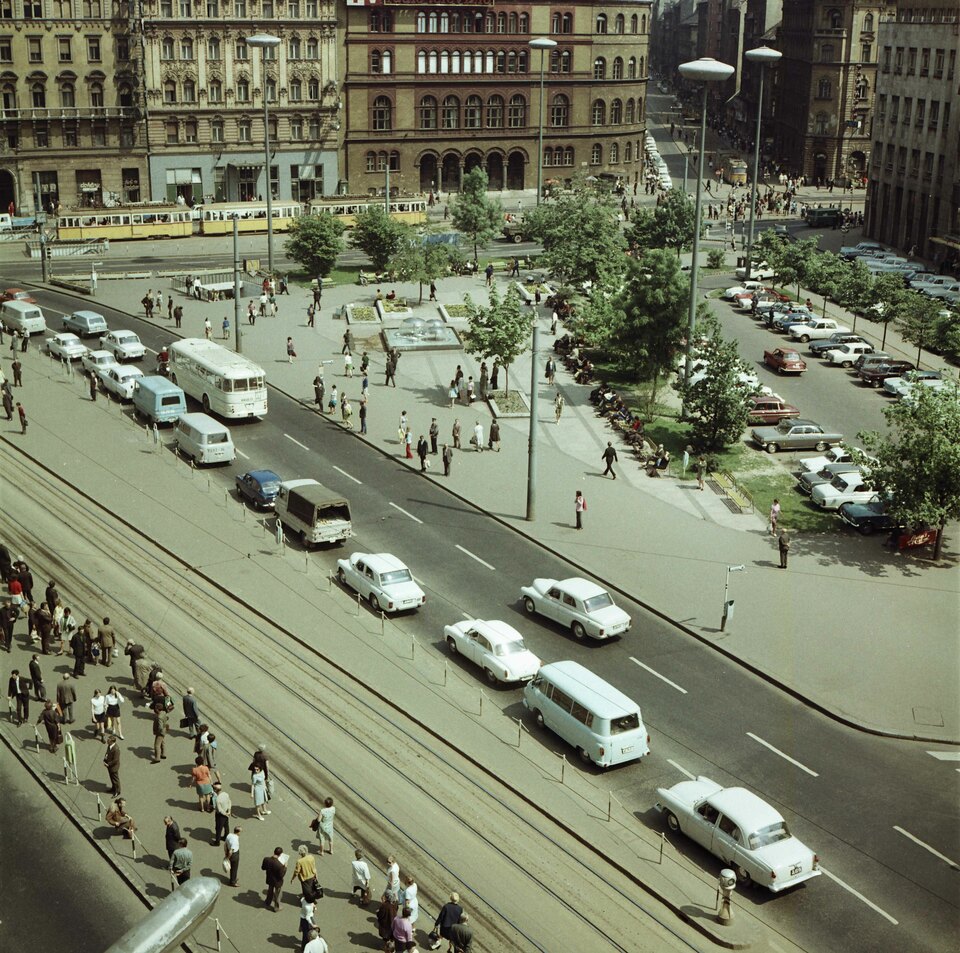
(266, 41)
(763, 56)
(705, 70)
(542, 44)
(727, 602)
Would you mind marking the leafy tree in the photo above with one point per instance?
(314, 241)
(498, 331)
(825, 274)
(945, 336)
(379, 235)
(885, 300)
(595, 318)
(668, 225)
(715, 258)
(919, 460)
(474, 213)
(916, 319)
(717, 403)
(771, 248)
(581, 237)
(416, 261)
(854, 288)
(796, 257)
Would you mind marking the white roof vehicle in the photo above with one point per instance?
(578, 604)
(97, 361)
(496, 647)
(67, 346)
(849, 487)
(123, 345)
(119, 380)
(385, 582)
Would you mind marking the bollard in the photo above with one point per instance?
(445, 667)
(306, 563)
(519, 732)
(226, 498)
(563, 767)
(99, 809)
(413, 648)
(383, 625)
(36, 738)
(358, 605)
(134, 843)
(609, 805)
(481, 702)
(208, 484)
(663, 840)
(156, 434)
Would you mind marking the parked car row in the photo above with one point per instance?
(880, 260)
(655, 161)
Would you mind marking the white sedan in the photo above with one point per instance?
(761, 271)
(123, 345)
(68, 347)
(382, 580)
(98, 362)
(849, 487)
(577, 604)
(496, 647)
(748, 287)
(745, 832)
(841, 454)
(119, 380)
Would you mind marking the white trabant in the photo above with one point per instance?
(123, 345)
(66, 346)
(97, 362)
(120, 380)
(496, 647)
(382, 580)
(577, 604)
(745, 832)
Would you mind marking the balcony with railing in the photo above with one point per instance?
(46, 113)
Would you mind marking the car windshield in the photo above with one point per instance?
(509, 648)
(784, 426)
(270, 486)
(790, 356)
(127, 338)
(769, 835)
(840, 482)
(600, 601)
(395, 576)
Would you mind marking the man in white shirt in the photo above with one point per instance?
(361, 877)
(392, 889)
(222, 806)
(478, 436)
(231, 852)
(316, 943)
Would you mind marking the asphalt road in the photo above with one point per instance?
(856, 799)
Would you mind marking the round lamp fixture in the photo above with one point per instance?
(763, 55)
(706, 70)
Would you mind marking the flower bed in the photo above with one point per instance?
(513, 404)
(361, 314)
(528, 291)
(454, 312)
(393, 310)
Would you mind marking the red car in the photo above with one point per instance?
(784, 361)
(18, 294)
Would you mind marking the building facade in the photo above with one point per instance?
(823, 128)
(433, 90)
(70, 119)
(913, 195)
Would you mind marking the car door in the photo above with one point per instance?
(571, 609)
(728, 844)
(371, 583)
(470, 646)
(355, 574)
(550, 605)
(703, 820)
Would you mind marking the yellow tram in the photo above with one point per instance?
(126, 222)
(217, 218)
(409, 209)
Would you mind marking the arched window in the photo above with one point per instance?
(381, 118)
(488, 62)
(616, 112)
(172, 131)
(186, 48)
(170, 91)
(511, 61)
(517, 112)
(271, 88)
(421, 61)
(548, 156)
(596, 154)
(468, 61)
(387, 61)
(643, 24)
(555, 23)
(566, 24)
(614, 153)
(618, 23)
(313, 89)
(214, 48)
(395, 161)
(38, 95)
(488, 23)
(632, 68)
(599, 68)
(495, 112)
(455, 61)
(428, 113)
(432, 22)
(643, 67)
(421, 23)
(455, 22)
(472, 112)
(824, 89)
(125, 95)
(868, 23)
(167, 48)
(64, 9)
(512, 23)
(501, 23)
(371, 162)
(432, 61)
(376, 63)
(245, 130)
(444, 61)
(313, 48)
(560, 111)
(242, 88)
(444, 22)
(568, 155)
(628, 112)
(524, 22)
(601, 26)
(834, 19)
(598, 112)
(820, 124)
(450, 116)
(628, 152)
(216, 130)
(68, 95)
(633, 24)
(189, 91)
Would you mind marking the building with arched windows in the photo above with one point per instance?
(432, 90)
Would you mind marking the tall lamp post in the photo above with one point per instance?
(705, 70)
(542, 44)
(266, 41)
(763, 56)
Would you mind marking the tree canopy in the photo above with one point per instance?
(474, 213)
(418, 261)
(314, 241)
(500, 330)
(378, 235)
(669, 225)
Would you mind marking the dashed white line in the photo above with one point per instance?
(482, 562)
(682, 770)
(945, 755)
(663, 678)
(240, 453)
(297, 442)
(347, 475)
(405, 513)
(859, 896)
(936, 853)
(786, 757)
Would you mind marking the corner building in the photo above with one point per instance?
(433, 90)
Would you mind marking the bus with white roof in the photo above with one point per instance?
(226, 383)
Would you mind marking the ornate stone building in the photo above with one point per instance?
(433, 89)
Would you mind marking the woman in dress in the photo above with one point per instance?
(408, 897)
(114, 699)
(203, 783)
(325, 825)
(98, 713)
(258, 789)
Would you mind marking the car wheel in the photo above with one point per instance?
(865, 529)
(584, 757)
(743, 876)
(452, 645)
(538, 718)
(206, 404)
(821, 446)
(529, 605)
(304, 540)
(579, 631)
(846, 364)
(491, 678)
(780, 370)
(773, 447)
(672, 823)
(517, 238)
(342, 577)
(804, 338)
(374, 602)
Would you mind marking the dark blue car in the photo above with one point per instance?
(259, 487)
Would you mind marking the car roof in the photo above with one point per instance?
(580, 588)
(599, 696)
(127, 370)
(263, 476)
(381, 562)
(745, 809)
(496, 631)
(66, 335)
(88, 314)
(100, 352)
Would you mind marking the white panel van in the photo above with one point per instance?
(203, 439)
(23, 317)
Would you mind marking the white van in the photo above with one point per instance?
(23, 317)
(203, 439)
(599, 721)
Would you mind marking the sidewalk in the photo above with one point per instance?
(803, 629)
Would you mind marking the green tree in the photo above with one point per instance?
(417, 261)
(919, 459)
(669, 225)
(771, 248)
(314, 241)
(378, 235)
(796, 257)
(498, 331)
(595, 319)
(474, 213)
(885, 299)
(916, 319)
(853, 291)
(717, 402)
(824, 274)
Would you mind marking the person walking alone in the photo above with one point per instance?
(111, 761)
(291, 352)
(231, 854)
(66, 698)
(207, 328)
(447, 460)
(434, 435)
(558, 406)
(784, 547)
(318, 391)
(17, 369)
(422, 448)
(275, 870)
(180, 862)
(579, 505)
(22, 414)
(774, 517)
(609, 456)
(363, 416)
(161, 722)
(222, 809)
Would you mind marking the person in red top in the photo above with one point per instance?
(201, 778)
(15, 588)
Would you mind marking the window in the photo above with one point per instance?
(6, 49)
(166, 48)
(245, 130)
(601, 23)
(122, 47)
(628, 152)
(428, 113)
(834, 19)
(169, 91)
(381, 118)
(946, 116)
(216, 130)
(618, 68)
(616, 112)
(295, 90)
(450, 113)
(924, 62)
(445, 61)
(240, 9)
(172, 129)
(501, 23)
(881, 109)
(243, 90)
(596, 154)
(495, 112)
(902, 161)
(68, 96)
(566, 24)
(907, 110)
(471, 112)
(186, 48)
(313, 89)
(271, 87)
(868, 23)
(517, 112)
(826, 53)
(599, 68)
(555, 23)
(560, 111)
(190, 131)
(241, 51)
(643, 71)
(189, 91)
(214, 50)
(560, 61)
(898, 61)
(213, 9)
(894, 110)
(938, 65)
(887, 52)
(63, 9)
(548, 155)
(633, 24)
(296, 129)
(619, 24)
(952, 64)
(125, 95)
(313, 48)
(631, 68)
(912, 61)
(266, 8)
(598, 112)
(524, 23)
(628, 112)
(432, 23)
(313, 129)
(186, 9)
(96, 95)
(166, 8)
(421, 23)
(70, 137)
(866, 53)
(371, 162)
(934, 115)
(64, 53)
(35, 49)
(568, 155)
(614, 154)
(928, 165)
(820, 124)
(32, 10)
(824, 89)
(98, 134)
(921, 113)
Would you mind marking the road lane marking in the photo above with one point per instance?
(240, 453)
(945, 755)
(936, 853)
(785, 757)
(405, 513)
(297, 442)
(663, 678)
(482, 562)
(347, 475)
(682, 770)
(859, 896)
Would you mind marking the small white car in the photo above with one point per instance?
(496, 647)
(745, 832)
(382, 580)
(577, 604)
(761, 272)
(123, 345)
(748, 287)
(66, 346)
(97, 361)
(849, 487)
(839, 454)
(846, 354)
(119, 380)
(901, 386)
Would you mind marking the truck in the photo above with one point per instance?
(817, 329)
(313, 513)
(515, 230)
